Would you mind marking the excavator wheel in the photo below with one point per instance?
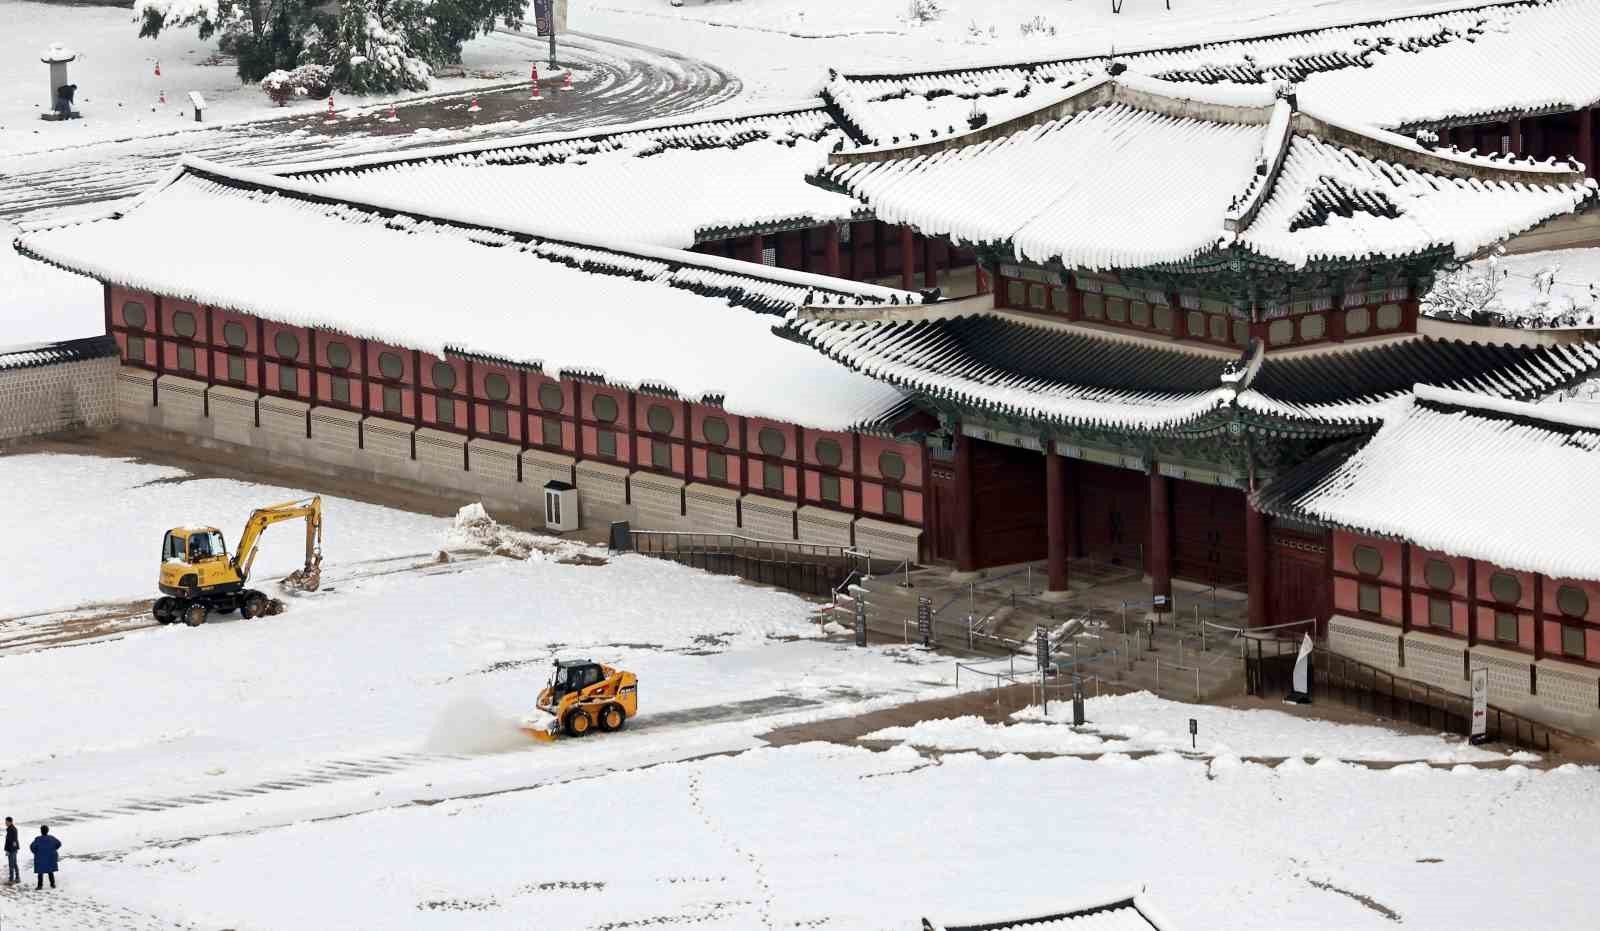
(195, 614)
(253, 605)
(579, 723)
(165, 610)
(612, 717)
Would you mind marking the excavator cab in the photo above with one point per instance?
(198, 576)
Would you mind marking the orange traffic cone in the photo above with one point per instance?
(158, 67)
(566, 82)
(393, 115)
(474, 108)
(163, 99)
(330, 106)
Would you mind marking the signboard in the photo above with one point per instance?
(1194, 730)
(1480, 705)
(1300, 690)
(1041, 645)
(925, 619)
(550, 16)
(1160, 602)
(861, 621)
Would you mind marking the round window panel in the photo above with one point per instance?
(133, 314)
(1368, 560)
(1389, 317)
(829, 453)
(715, 430)
(444, 376)
(390, 365)
(1572, 601)
(1439, 574)
(604, 407)
(772, 441)
(660, 419)
(338, 355)
(496, 386)
(287, 344)
(1280, 332)
(550, 396)
(1505, 588)
(234, 334)
(892, 465)
(1357, 320)
(183, 324)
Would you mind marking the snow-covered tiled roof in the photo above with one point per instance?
(1455, 471)
(667, 184)
(630, 315)
(1131, 172)
(1131, 913)
(1072, 376)
(1453, 65)
(29, 355)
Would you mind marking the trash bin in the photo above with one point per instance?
(560, 506)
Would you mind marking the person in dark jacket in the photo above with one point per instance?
(12, 846)
(44, 849)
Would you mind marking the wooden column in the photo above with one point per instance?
(1160, 540)
(930, 269)
(966, 508)
(1058, 527)
(1515, 132)
(908, 258)
(830, 253)
(1255, 542)
(1586, 140)
(758, 245)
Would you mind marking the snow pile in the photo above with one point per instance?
(474, 526)
(1143, 722)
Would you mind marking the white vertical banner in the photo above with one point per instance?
(1480, 704)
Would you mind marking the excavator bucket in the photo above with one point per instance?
(305, 579)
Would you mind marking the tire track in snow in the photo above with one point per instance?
(622, 83)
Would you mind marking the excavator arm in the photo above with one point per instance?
(310, 509)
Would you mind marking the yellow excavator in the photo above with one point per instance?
(199, 577)
(584, 695)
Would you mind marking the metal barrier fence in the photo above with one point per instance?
(1374, 690)
(808, 568)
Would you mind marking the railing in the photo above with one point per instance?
(809, 568)
(1383, 693)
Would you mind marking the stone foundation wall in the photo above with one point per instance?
(40, 399)
(398, 454)
(1558, 693)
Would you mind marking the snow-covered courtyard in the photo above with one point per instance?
(362, 749)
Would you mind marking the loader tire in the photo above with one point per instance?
(165, 610)
(253, 605)
(194, 614)
(612, 718)
(579, 724)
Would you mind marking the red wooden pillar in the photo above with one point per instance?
(966, 508)
(908, 258)
(830, 252)
(1514, 130)
(1160, 540)
(930, 268)
(1058, 528)
(758, 245)
(1586, 140)
(1255, 543)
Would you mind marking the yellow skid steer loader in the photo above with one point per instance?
(199, 577)
(582, 696)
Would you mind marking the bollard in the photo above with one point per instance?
(1158, 675)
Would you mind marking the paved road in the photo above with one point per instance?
(616, 83)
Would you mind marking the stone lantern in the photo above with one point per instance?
(57, 56)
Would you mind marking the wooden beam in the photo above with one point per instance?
(965, 510)
(930, 268)
(1057, 528)
(1514, 130)
(830, 255)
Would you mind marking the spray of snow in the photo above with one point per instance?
(470, 725)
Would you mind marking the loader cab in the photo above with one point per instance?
(574, 676)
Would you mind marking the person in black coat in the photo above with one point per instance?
(44, 849)
(12, 846)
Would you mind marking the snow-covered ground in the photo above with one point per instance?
(119, 92)
(1143, 722)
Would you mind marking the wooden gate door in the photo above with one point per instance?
(1208, 533)
(1298, 572)
(1113, 509)
(940, 517)
(1008, 504)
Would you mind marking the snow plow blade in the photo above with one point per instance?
(540, 734)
